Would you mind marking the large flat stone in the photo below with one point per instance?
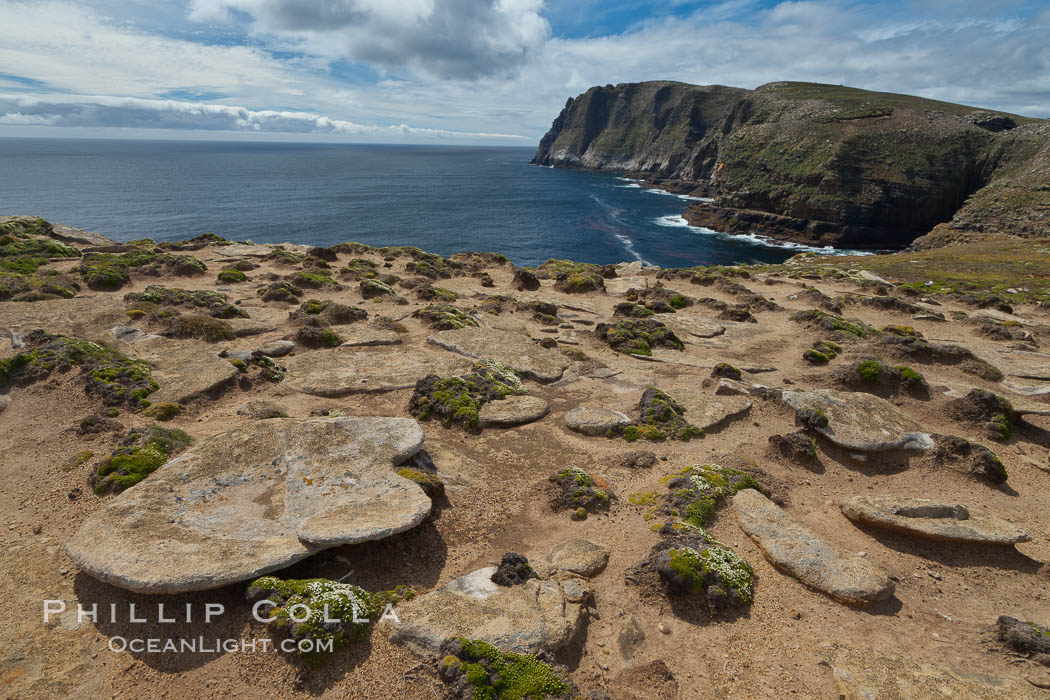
(594, 420)
(511, 349)
(526, 618)
(253, 500)
(685, 327)
(793, 549)
(932, 520)
(860, 422)
(86, 317)
(513, 410)
(243, 327)
(359, 335)
(1025, 365)
(709, 412)
(183, 370)
(342, 371)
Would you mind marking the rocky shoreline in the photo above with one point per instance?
(818, 479)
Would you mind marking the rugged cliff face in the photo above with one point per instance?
(817, 163)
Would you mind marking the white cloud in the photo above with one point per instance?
(130, 112)
(441, 38)
(491, 66)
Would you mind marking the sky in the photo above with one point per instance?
(476, 71)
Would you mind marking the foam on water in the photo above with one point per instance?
(678, 221)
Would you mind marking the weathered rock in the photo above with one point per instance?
(579, 556)
(1025, 365)
(793, 549)
(253, 500)
(277, 348)
(591, 420)
(4, 403)
(244, 327)
(261, 410)
(857, 421)
(732, 387)
(84, 317)
(710, 412)
(526, 619)
(513, 570)
(244, 250)
(696, 327)
(183, 370)
(511, 349)
(343, 371)
(947, 522)
(525, 280)
(863, 674)
(127, 334)
(513, 410)
(366, 336)
(637, 459)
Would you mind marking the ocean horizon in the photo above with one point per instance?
(442, 199)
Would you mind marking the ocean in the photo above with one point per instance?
(443, 199)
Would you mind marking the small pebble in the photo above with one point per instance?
(664, 628)
(796, 614)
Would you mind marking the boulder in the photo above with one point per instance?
(527, 618)
(857, 421)
(793, 549)
(342, 371)
(579, 556)
(933, 520)
(513, 410)
(506, 347)
(277, 348)
(261, 410)
(592, 420)
(253, 500)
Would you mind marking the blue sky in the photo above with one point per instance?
(476, 71)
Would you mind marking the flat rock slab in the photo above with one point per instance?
(86, 317)
(253, 500)
(709, 412)
(242, 250)
(866, 674)
(533, 616)
(793, 549)
(513, 410)
(579, 556)
(695, 327)
(511, 349)
(243, 327)
(594, 421)
(183, 370)
(361, 336)
(1020, 406)
(618, 286)
(343, 371)
(1025, 365)
(996, 315)
(860, 422)
(932, 520)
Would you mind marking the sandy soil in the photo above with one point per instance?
(943, 614)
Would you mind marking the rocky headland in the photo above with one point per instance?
(818, 164)
(826, 478)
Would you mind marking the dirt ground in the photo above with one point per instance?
(934, 638)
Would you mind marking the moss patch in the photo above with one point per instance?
(638, 336)
(142, 452)
(108, 374)
(445, 317)
(458, 400)
(490, 674)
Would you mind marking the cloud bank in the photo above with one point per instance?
(481, 70)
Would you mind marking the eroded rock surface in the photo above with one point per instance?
(508, 348)
(929, 519)
(793, 549)
(858, 421)
(343, 371)
(253, 500)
